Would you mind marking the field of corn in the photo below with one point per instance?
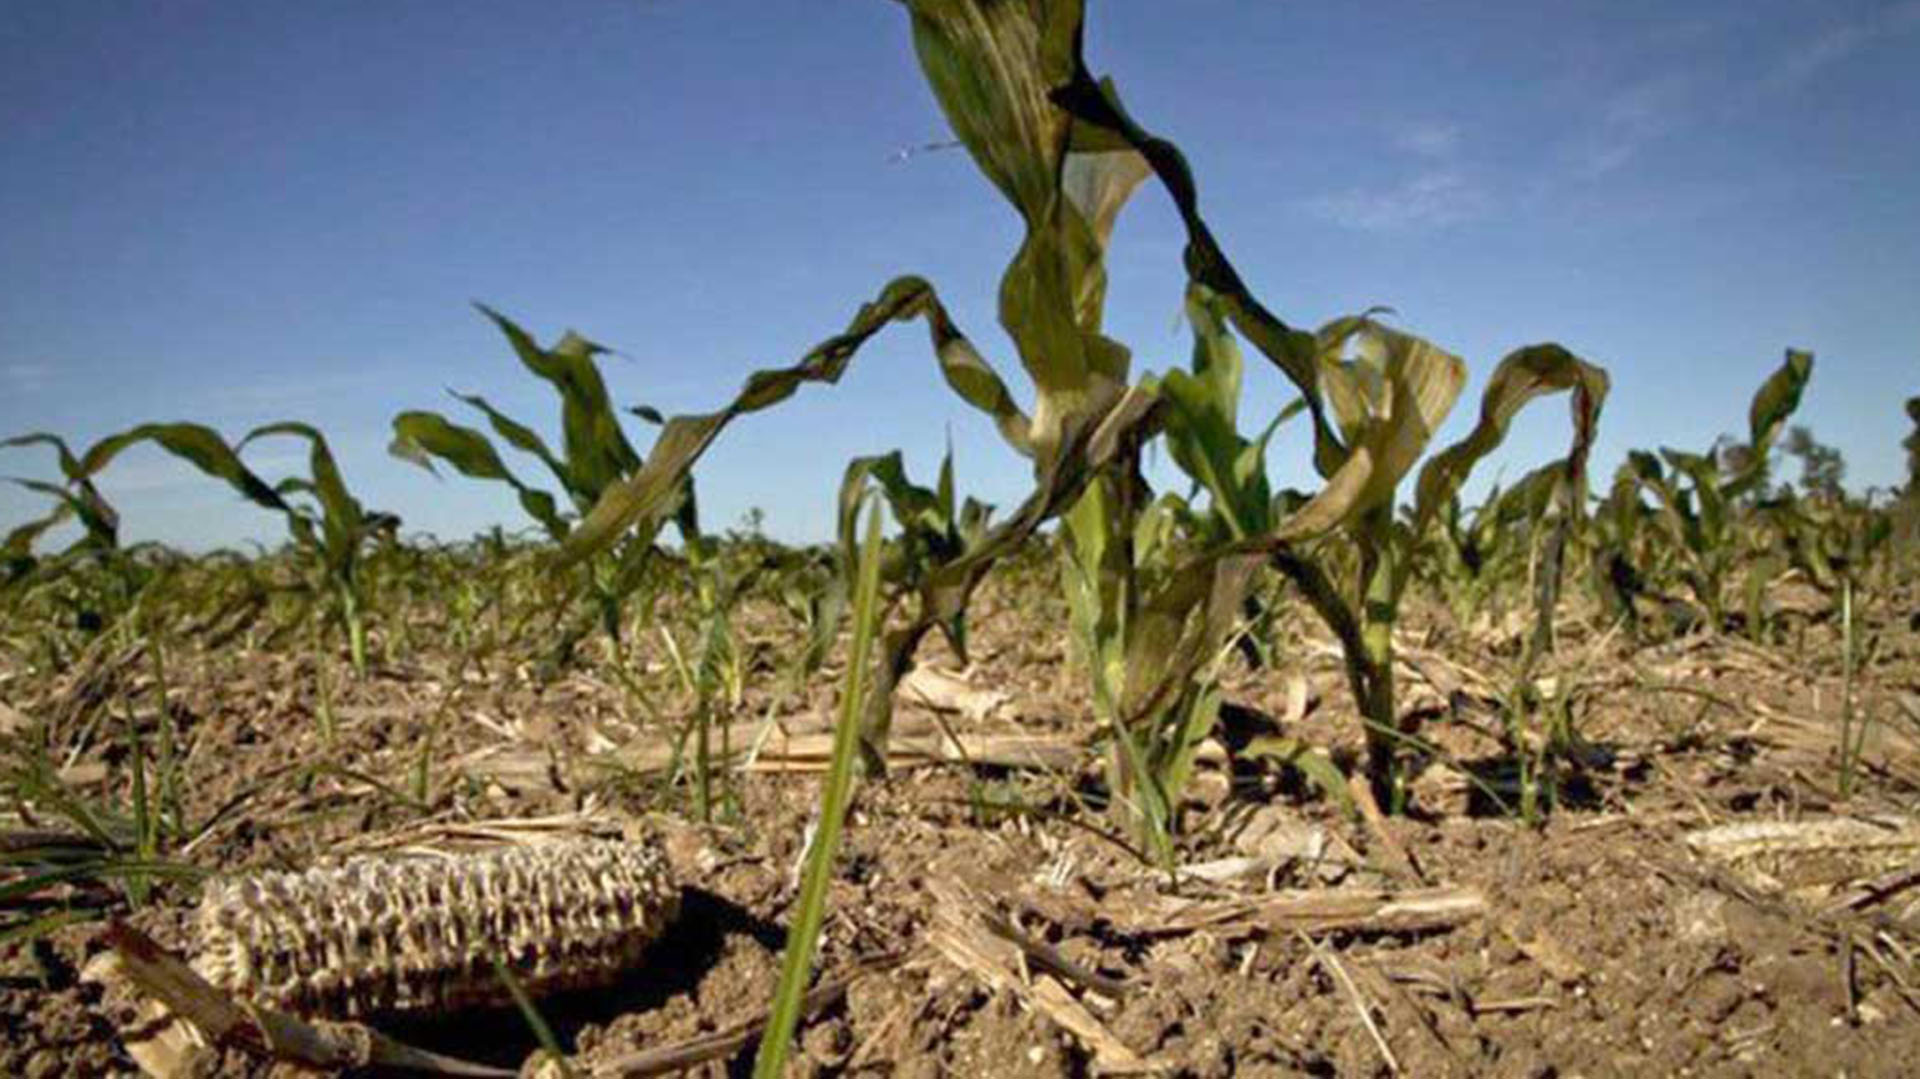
(1594, 776)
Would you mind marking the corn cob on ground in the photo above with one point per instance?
(379, 935)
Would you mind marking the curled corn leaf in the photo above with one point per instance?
(645, 499)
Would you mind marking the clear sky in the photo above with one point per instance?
(244, 212)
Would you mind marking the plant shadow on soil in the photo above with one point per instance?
(501, 1037)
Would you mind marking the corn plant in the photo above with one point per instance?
(1697, 502)
(1470, 555)
(803, 936)
(326, 523)
(1387, 391)
(1833, 542)
(77, 500)
(94, 598)
(1060, 147)
(810, 586)
(108, 850)
(715, 675)
(595, 455)
(937, 532)
(1906, 507)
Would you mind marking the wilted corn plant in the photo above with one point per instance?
(1062, 150)
(328, 526)
(94, 578)
(596, 455)
(1471, 556)
(1387, 392)
(76, 500)
(1697, 502)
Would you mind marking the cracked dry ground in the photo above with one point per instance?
(1617, 937)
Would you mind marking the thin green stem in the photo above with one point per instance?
(804, 935)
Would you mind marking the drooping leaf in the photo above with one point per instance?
(1522, 376)
(343, 520)
(1418, 385)
(526, 440)
(916, 508)
(102, 529)
(1773, 404)
(97, 516)
(1097, 104)
(645, 499)
(421, 437)
(597, 452)
(69, 464)
(195, 443)
(994, 69)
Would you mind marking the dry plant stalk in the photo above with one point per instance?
(380, 935)
(180, 1019)
(1753, 839)
(973, 937)
(1354, 910)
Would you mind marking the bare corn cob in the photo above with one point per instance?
(383, 934)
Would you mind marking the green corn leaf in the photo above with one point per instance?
(1424, 382)
(1421, 383)
(598, 454)
(102, 524)
(796, 967)
(994, 69)
(1773, 404)
(195, 443)
(917, 509)
(1201, 414)
(1527, 500)
(524, 439)
(343, 520)
(97, 516)
(296, 485)
(1251, 464)
(1760, 573)
(1623, 510)
(1707, 524)
(1522, 376)
(69, 464)
(1096, 105)
(420, 437)
(18, 545)
(645, 499)
(1207, 448)
(1647, 473)
(1159, 527)
(1179, 625)
(1778, 398)
(1352, 372)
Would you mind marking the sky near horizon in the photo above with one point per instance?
(240, 213)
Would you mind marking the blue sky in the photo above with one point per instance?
(240, 213)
